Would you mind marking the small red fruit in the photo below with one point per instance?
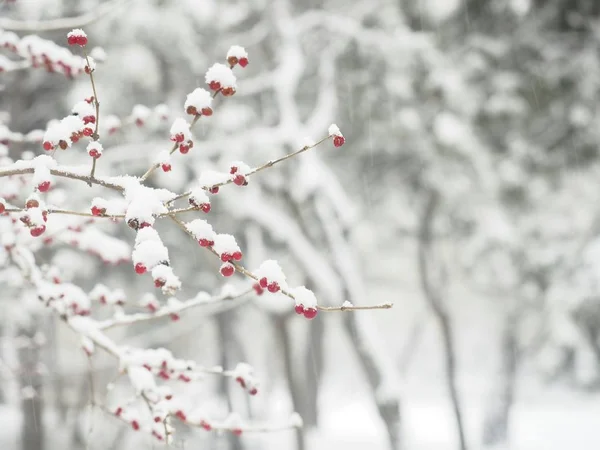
(258, 289)
(174, 317)
(159, 282)
(31, 203)
(240, 180)
(214, 85)
(214, 190)
(135, 425)
(44, 186)
(94, 153)
(96, 211)
(184, 148)
(237, 256)
(37, 231)
(2, 207)
(227, 269)
(253, 391)
(338, 141)
(299, 309)
(205, 207)
(205, 425)
(226, 256)
(227, 91)
(207, 111)
(206, 243)
(273, 287)
(310, 313)
(140, 268)
(237, 431)
(241, 381)
(243, 62)
(87, 131)
(48, 146)
(263, 282)
(118, 411)
(166, 167)
(181, 415)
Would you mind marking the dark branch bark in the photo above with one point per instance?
(434, 298)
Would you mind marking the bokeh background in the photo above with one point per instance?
(467, 193)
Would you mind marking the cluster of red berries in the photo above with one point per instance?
(77, 37)
(252, 390)
(309, 313)
(192, 110)
(233, 60)
(35, 229)
(272, 286)
(239, 179)
(204, 207)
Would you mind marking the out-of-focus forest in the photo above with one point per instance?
(467, 194)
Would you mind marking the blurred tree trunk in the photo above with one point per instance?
(283, 336)
(433, 296)
(32, 407)
(226, 338)
(496, 421)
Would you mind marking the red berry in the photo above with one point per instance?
(140, 268)
(310, 313)
(48, 146)
(263, 282)
(253, 391)
(299, 309)
(243, 62)
(338, 141)
(159, 282)
(37, 231)
(31, 203)
(233, 170)
(135, 425)
(179, 137)
(237, 431)
(227, 91)
(118, 411)
(237, 256)
(206, 243)
(2, 207)
(273, 287)
(72, 40)
(94, 153)
(205, 425)
(45, 216)
(207, 111)
(174, 317)
(166, 167)
(205, 207)
(225, 257)
(227, 269)
(144, 225)
(240, 180)
(44, 186)
(185, 378)
(214, 85)
(259, 290)
(181, 415)
(214, 189)
(184, 148)
(96, 211)
(241, 381)
(87, 131)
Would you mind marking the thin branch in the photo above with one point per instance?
(62, 23)
(266, 165)
(63, 174)
(167, 310)
(95, 135)
(241, 269)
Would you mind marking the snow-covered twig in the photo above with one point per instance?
(168, 310)
(63, 23)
